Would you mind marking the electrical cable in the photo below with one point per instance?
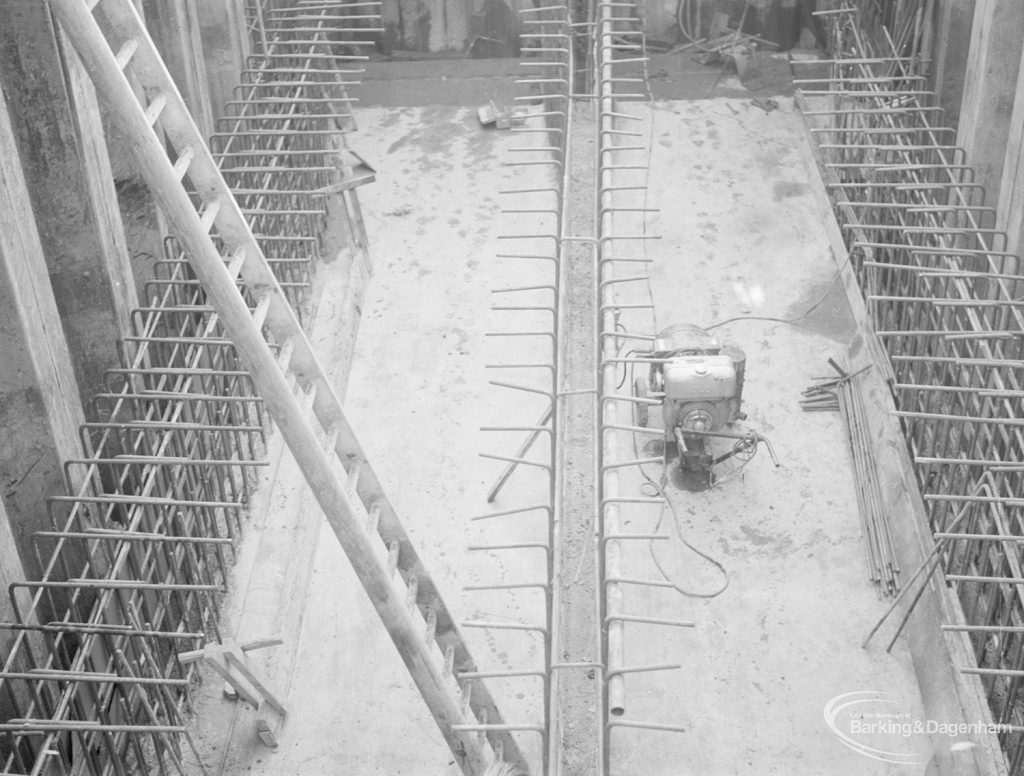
(793, 320)
(677, 526)
(659, 488)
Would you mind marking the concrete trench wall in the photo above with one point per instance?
(490, 28)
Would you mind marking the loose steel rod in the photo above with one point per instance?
(981, 537)
(112, 630)
(650, 620)
(131, 536)
(982, 578)
(609, 580)
(54, 675)
(994, 464)
(38, 727)
(545, 508)
(643, 669)
(504, 626)
(628, 723)
(524, 448)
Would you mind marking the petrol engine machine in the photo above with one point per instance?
(699, 381)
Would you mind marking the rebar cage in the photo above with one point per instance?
(137, 558)
(942, 293)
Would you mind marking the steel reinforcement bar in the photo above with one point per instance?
(137, 557)
(943, 295)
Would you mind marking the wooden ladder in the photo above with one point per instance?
(291, 381)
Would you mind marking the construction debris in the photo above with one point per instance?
(491, 115)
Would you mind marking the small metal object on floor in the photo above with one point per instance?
(228, 659)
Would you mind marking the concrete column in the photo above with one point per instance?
(174, 27)
(952, 46)
(990, 85)
(225, 46)
(40, 412)
(56, 124)
(1010, 209)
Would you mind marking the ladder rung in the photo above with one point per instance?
(124, 56)
(260, 313)
(185, 157)
(411, 593)
(332, 437)
(307, 397)
(353, 476)
(431, 632)
(449, 660)
(237, 261)
(155, 108)
(392, 558)
(374, 519)
(285, 354)
(209, 215)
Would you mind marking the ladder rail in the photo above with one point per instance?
(338, 502)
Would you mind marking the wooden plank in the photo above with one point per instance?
(174, 25)
(1010, 208)
(25, 272)
(224, 47)
(99, 182)
(997, 37)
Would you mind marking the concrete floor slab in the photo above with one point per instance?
(739, 238)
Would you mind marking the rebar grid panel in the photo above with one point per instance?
(534, 313)
(942, 294)
(622, 237)
(280, 146)
(137, 558)
(247, 297)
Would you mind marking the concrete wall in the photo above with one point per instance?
(952, 46)
(39, 407)
(491, 27)
(60, 174)
(433, 26)
(990, 85)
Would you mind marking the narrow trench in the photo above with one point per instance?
(579, 640)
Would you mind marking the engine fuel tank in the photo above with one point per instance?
(699, 378)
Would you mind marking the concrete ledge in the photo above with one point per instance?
(949, 696)
(273, 575)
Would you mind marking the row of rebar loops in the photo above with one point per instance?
(278, 144)
(136, 565)
(542, 111)
(137, 557)
(622, 155)
(941, 291)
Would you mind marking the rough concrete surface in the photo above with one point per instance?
(419, 393)
(739, 237)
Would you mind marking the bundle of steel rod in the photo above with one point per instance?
(136, 557)
(823, 394)
(941, 291)
(880, 553)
